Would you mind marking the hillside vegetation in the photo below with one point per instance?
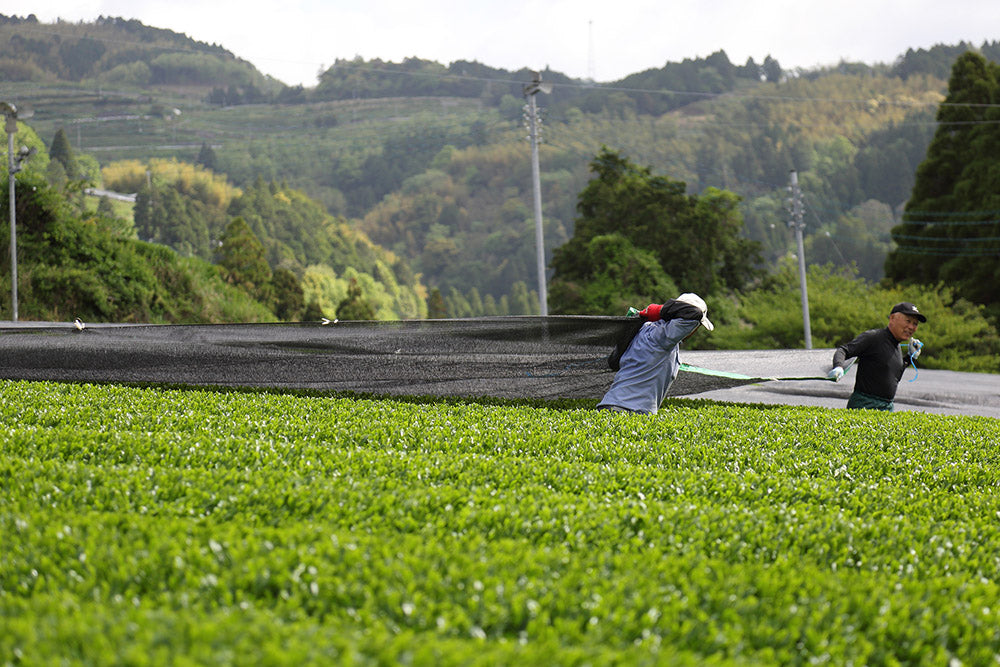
(428, 162)
(116, 51)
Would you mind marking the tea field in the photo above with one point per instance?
(159, 526)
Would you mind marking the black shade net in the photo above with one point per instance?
(503, 357)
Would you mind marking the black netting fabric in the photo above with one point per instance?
(504, 357)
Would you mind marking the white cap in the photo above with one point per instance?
(693, 299)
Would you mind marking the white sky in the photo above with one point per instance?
(606, 39)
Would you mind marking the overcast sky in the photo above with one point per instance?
(602, 39)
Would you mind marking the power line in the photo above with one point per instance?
(954, 214)
(962, 239)
(944, 223)
(948, 252)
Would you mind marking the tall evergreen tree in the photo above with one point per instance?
(105, 208)
(772, 70)
(436, 307)
(206, 157)
(242, 257)
(952, 218)
(62, 151)
(287, 298)
(523, 302)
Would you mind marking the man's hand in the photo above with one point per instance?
(651, 313)
(915, 347)
(835, 374)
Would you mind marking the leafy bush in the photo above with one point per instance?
(957, 335)
(621, 276)
(71, 268)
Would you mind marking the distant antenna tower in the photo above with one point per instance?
(590, 52)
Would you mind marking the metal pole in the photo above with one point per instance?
(11, 170)
(543, 299)
(797, 223)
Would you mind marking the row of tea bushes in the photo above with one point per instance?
(166, 526)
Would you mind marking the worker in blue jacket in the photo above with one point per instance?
(651, 361)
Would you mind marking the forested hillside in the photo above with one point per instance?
(429, 161)
(116, 51)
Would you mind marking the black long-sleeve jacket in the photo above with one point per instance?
(880, 362)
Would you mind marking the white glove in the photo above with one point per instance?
(915, 347)
(835, 374)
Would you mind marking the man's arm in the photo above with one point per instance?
(670, 310)
(844, 352)
(672, 332)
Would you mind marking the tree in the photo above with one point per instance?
(105, 208)
(458, 304)
(62, 151)
(242, 257)
(621, 276)
(355, 306)
(287, 299)
(436, 307)
(772, 70)
(206, 157)
(694, 240)
(523, 302)
(950, 224)
(313, 312)
(56, 174)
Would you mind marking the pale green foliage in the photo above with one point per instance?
(321, 284)
(200, 68)
(88, 169)
(128, 74)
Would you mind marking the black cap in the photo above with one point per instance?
(908, 309)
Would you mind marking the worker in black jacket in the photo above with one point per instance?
(881, 361)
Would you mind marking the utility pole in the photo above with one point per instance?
(530, 90)
(591, 69)
(796, 223)
(13, 166)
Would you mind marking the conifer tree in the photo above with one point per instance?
(62, 151)
(105, 208)
(206, 157)
(355, 306)
(287, 298)
(523, 302)
(436, 308)
(242, 257)
(951, 219)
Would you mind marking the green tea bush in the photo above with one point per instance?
(169, 526)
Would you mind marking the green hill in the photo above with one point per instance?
(116, 51)
(430, 161)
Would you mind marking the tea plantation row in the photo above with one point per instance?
(159, 526)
